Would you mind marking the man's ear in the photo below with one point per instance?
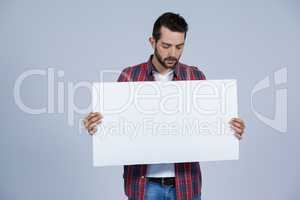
(152, 42)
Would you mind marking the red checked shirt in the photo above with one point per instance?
(188, 180)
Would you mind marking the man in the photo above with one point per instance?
(181, 181)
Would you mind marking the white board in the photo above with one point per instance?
(164, 122)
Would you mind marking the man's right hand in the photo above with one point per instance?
(91, 122)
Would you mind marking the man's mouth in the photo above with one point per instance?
(171, 61)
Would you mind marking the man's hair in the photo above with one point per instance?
(172, 21)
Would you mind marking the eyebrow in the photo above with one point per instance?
(171, 44)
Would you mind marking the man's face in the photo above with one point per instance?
(168, 49)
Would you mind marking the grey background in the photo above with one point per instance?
(42, 157)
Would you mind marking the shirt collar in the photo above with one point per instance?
(151, 67)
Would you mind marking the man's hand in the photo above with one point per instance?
(238, 126)
(91, 122)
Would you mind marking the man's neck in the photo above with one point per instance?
(158, 66)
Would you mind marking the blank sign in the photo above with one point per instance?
(164, 122)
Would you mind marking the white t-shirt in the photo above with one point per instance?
(168, 169)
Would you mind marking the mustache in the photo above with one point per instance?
(170, 59)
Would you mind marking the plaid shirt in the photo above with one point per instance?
(188, 180)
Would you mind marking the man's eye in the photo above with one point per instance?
(179, 47)
(166, 46)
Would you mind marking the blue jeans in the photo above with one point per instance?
(155, 191)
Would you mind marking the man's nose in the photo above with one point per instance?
(172, 52)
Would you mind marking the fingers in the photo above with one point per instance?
(92, 118)
(93, 128)
(238, 125)
(91, 122)
(237, 121)
(238, 131)
(93, 114)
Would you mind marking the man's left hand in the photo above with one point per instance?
(238, 126)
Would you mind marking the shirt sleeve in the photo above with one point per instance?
(125, 75)
(199, 74)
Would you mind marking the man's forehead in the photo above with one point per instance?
(171, 37)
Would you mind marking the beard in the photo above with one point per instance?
(164, 61)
